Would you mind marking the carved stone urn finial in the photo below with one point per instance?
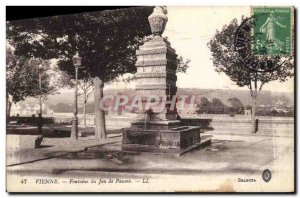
(158, 20)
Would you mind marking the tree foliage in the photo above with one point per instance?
(236, 63)
(182, 65)
(22, 77)
(236, 105)
(218, 106)
(227, 60)
(204, 106)
(106, 40)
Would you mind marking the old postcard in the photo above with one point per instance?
(151, 99)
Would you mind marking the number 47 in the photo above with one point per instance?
(23, 181)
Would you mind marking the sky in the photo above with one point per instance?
(189, 29)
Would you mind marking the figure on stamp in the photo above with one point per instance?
(268, 28)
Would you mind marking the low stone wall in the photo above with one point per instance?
(31, 120)
(202, 122)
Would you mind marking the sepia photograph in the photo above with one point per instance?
(157, 99)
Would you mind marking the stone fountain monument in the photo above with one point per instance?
(158, 129)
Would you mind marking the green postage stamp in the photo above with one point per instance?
(273, 30)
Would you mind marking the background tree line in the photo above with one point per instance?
(216, 106)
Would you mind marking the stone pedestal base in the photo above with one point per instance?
(161, 137)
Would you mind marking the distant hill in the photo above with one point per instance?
(265, 97)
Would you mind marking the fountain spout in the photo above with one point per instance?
(148, 115)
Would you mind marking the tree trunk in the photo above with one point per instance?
(100, 131)
(84, 114)
(8, 108)
(84, 109)
(253, 113)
